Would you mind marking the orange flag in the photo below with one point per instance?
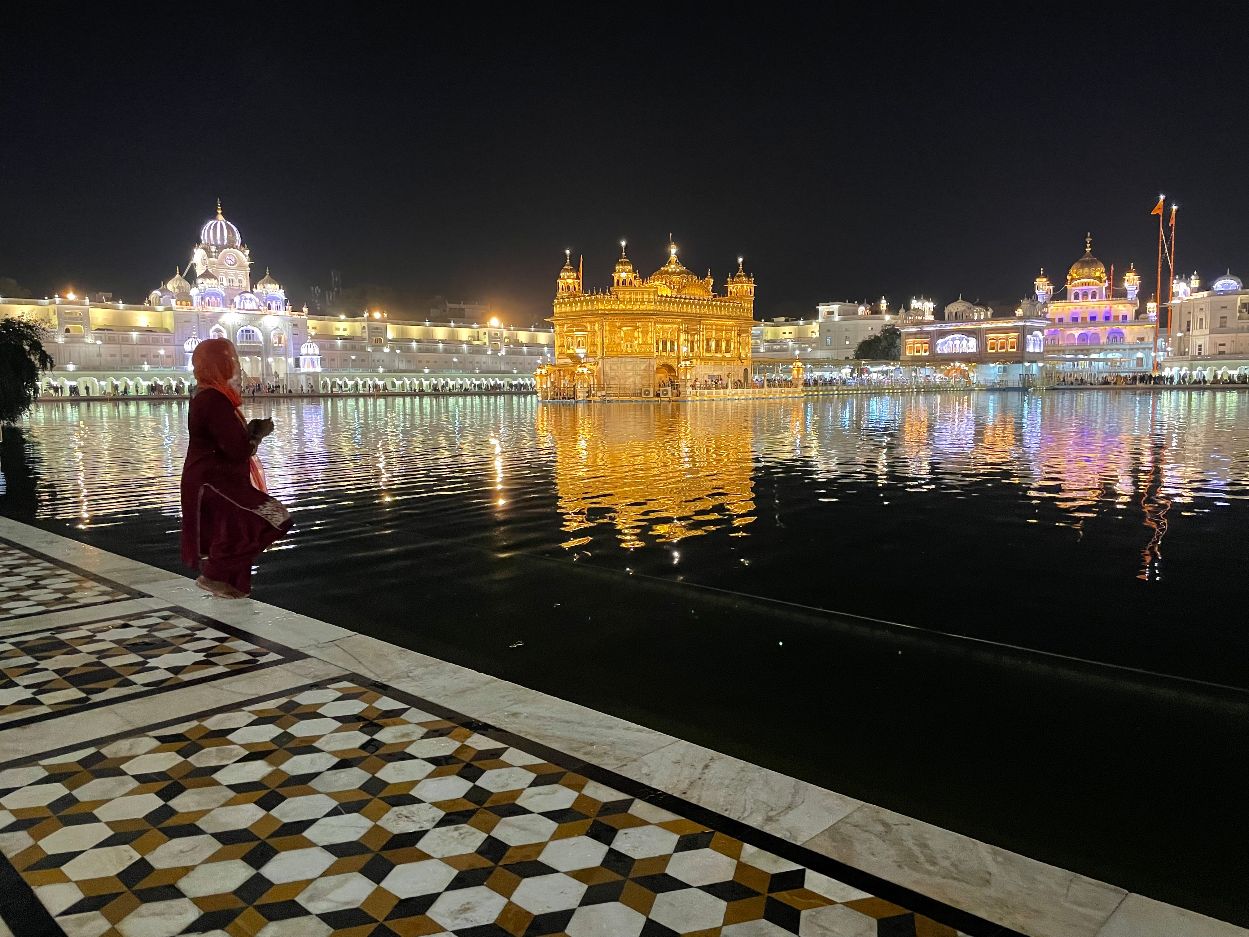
(1158, 208)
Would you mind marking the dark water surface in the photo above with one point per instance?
(1073, 680)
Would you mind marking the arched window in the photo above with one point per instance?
(1083, 339)
(1115, 335)
(278, 339)
(217, 331)
(1035, 342)
(248, 335)
(957, 344)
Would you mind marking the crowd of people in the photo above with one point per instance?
(881, 380)
(715, 383)
(1173, 379)
(253, 389)
(122, 390)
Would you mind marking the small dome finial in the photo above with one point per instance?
(623, 245)
(740, 261)
(1088, 242)
(219, 215)
(672, 246)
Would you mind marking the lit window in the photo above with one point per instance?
(956, 344)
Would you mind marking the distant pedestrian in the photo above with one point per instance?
(228, 519)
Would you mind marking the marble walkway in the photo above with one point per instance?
(173, 764)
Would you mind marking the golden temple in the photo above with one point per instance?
(648, 336)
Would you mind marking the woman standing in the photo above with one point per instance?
(227, 518)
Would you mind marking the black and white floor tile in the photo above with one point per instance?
(349, 809)
(31, 584)
(63, 669)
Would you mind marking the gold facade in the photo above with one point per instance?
(648, 336)
(653, 474)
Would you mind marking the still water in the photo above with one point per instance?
(1054, 582)
(1105, 525)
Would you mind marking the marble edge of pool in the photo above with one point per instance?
(992, 883)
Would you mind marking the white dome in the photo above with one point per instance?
(309, 349)
(191, 343)
(220, 233)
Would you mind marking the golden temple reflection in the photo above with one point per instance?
(656, 474)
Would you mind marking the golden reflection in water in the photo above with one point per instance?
(1120, 470)
(657, 473)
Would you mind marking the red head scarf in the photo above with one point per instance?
(214, 361)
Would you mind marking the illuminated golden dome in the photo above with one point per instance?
(1088, 270)
(569, 281)
(674, 277)
(624, 266)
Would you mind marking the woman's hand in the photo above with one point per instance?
(259, 429)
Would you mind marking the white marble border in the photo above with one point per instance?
(995, 884)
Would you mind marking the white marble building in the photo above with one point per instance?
(101, 346)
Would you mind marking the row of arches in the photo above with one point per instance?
(176, 386)
(115, 387)
(246, 335)
(1207, 375)
(1059, 337)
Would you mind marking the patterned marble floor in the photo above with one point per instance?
(350, 809)
(68, 668)
(33, 585)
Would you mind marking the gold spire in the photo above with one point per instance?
(672, 247)
(740, 261)
(1088, 243)
(623, 244)
(219, 215)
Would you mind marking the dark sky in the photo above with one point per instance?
(460, 153)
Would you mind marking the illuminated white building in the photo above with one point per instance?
(833, 335)
(1209, 329)
(113, 347)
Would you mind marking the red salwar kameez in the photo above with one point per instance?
(226, 520)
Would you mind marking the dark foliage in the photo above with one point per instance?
(22, 357)
(886, 346)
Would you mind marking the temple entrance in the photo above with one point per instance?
(666, 380)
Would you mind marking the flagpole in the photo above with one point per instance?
(1158, 289)
(1171, 289)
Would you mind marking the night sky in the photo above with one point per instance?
(846, 156)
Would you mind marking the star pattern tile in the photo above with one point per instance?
(33, 585)
(48, 673)
(347, 809)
